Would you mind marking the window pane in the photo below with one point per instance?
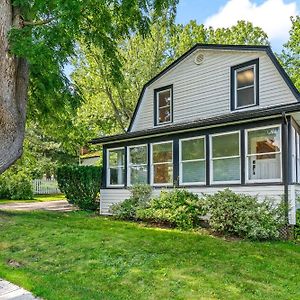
(162, 152)
(116, 176)
(138, 174)
(264, 140)
(226, 169)
(225, 145)
(193, 171)
(164, 98)
(164, 114)
(163, 173)
(192, 149)
(116, 157)
(264, 167)
(138, 155)
(245, 77)
(245, 97)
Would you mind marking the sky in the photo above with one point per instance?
(273, 16)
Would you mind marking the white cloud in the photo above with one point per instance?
(273, 16)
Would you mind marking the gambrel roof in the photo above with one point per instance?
(251, 48)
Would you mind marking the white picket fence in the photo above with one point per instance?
(45, 186)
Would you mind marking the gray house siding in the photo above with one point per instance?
(203, 91)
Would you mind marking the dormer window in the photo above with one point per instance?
(163, 105)
(244, 85)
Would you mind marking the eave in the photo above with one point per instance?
(234, 117)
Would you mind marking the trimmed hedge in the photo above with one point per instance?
(81, 185)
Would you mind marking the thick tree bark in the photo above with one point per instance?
(14, 73)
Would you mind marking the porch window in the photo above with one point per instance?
(162, 163)
(115, 168)
(263, 157)
(163, 105)
(137, 164)
(192, 161)
(225, 158)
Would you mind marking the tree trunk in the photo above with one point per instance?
(13, 90)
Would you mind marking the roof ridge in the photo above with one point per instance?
(265, 48)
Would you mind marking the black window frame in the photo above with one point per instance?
(155, 107)
(233, 70)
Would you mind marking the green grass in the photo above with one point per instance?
(37, 198)
(80, 256)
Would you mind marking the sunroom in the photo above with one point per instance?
(226, 157)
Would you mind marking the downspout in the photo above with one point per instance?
(285, 145)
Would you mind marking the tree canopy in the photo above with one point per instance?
(110, 104)
(37, 39)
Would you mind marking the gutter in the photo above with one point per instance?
(285, 150)
(231, 118)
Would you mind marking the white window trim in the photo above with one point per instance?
(298, 157)
(157, 107)
(108, 168)
(247, 180)
(152, 164)
(134, 165)
(182, 161)
(211, 159)
(248, 86)
(294, 155)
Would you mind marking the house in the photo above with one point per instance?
(88, 157)
(219, 116)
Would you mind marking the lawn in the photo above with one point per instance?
(37, 198)
(81, 256)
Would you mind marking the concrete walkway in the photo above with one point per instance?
(60, 205)
(9, 291)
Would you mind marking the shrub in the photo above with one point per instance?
(297, 226)
(16, 186)
(179, 208)
(20, 187)
(80, 184)
(244, 216)
(126, 210)
(4, 187)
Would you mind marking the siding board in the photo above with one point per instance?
(203, 91)
(112, 196)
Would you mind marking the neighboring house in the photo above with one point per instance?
(219, 116)
(91, 159)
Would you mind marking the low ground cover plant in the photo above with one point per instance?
(225, 212)
(81, 185)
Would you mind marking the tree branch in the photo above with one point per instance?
(37, 23)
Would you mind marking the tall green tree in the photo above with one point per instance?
(38, 37)
(290, 56)
(110, 104)
(243, 33)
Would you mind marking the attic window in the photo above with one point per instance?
(244, 81)
(163, 100)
